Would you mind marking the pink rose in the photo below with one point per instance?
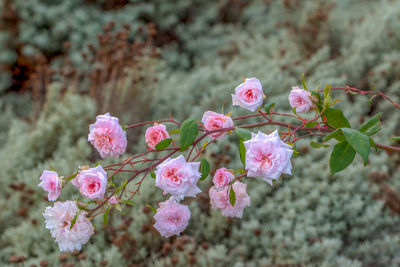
(267, 156)
(220, 200)
(107, 136)
(301, 100)
(92, 183)
(248, 95)
(51, 183)
(113, 200)
(58, 221)
(222, 178)
(215, 121)
(178, 177)
(155, 134)
(171, 218)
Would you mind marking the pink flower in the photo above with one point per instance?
(178, 177)
(92, 183)
(301, 100)
(107, 136)
(215, 121)
(51, 183)
(58, 221)
(220, 200)
(222, 178)
(249, 94)
(155, 134)
(113, 200)
(267, 156)
(171, 218)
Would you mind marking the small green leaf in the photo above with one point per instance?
(317, 145)
(81, 207)
(337, 134)
(241, 171)
(359, 141)
(105, 216)
(129, 202)
(373, 144)
(327, 97)
(151, 208)
(175, 131)
(371, 126)
(342, 156)
(335, 118)
(188, 133)
(72, 176)
(303, 81)
(243, 133)
(232, 196)
(163, 144)
(123, 127)
(311, 124)
(204, 169)
(242, 151)
(268, 107)
(295, 112)
(395, 138)
(97, 163)
(74, 219)
(153, 175)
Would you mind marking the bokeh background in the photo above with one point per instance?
(62, 62)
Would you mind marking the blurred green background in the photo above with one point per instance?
(62, 62)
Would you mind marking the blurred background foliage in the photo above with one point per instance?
(64, 61)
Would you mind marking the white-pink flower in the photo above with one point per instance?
(249, 94)
(51, 183)
(222, 178)
(214, 121)
(171, 218)
(58, 221)
(301, 100)
(92, 183)
(220, 200)
(113, 200)
(178, 177)
(107, 136)
(267, 156)
(155, 134)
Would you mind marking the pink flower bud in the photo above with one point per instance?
(249, 94)
(113, 200)
(107, 136)
(267, 156)
(51, 183)
(301, 100)
(171, 218)
(220, 200)
(155, 134)
(215, 121)
(222, 178)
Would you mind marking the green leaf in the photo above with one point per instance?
(153, 175)
(269, 107)
(311, 124)
(359, 141)
(105, 216)
(317, 145)
(303, 81)
(243, 133)
(123, 127)
(232, 196)
(372, 125)
(295, 112)
(81, 207)
(342, 156)
(242, 151)
(175, 131)
(129, 202)
(395, 138)
(188, 133)
(337, 134)
(74, 219)
(204, 169)
(336, 118)
(72, 176)
(373, 144)
(163, 144)
(151, 208)
(241, 171)
(327, 97)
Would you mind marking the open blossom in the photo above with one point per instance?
(171, 218)
(300, 99)
(51, 183)
(222, 178)
(107, 136)
(249, 94)
(155, 134)
(92, 182)
(58, 221)
(215, 121)
(267, 156)
(220, 200)
(178, 177)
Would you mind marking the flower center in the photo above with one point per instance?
(266, 161)
(173, 175)
(93, 187)
(249, 96)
